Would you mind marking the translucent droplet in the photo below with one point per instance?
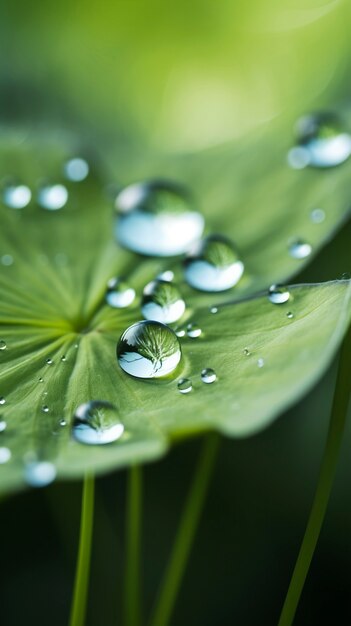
(162, 302)
(300, 249)
(148, 350)
(208, 375)
(119, 295)
(157, 219)
(63, 422)
(167, 275)
(290, 315)
(76, 169)
(3, 345)
(17, 196)
(2, 425)
(2, 400)
(49, 361)
(213, 309)
(45, 408)
(213, 265)
(5, 455)
(39, 473)
(184, 385)
(41, 379)
(193, 331)
(298, 158)
(260, 362)
(63, 358)
(246, 352)
(180, 332)
(97, 423)
(323, 139)
(317, 216)
(53, 197)
(7, 260)
(278, 294)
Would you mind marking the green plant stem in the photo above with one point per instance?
(81, 583)
(132, 608)
(186, 533)
(325, 482)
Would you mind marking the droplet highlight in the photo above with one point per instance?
(97, 423)
(213, 265)
(162, 302)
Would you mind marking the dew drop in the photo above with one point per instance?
(246, 352)
(260, 362)
(63, 358)
(45, 408)
(119, 295)
(63, 422)
(317, 216)
(41, 379)
(214, 309)
(180, 332)
(157, 218)
(300, 249)
(49, 361)
(278, 294)
(148, 349)
(17, 196)
(2, 401)
(76, 169)
(3, 426)
(193, 331)
(5, 455)
(322, 138)
(208, 375)
(7, 260)
(162, 302)
(290, 315)
(167, 275)
(3, 345)
(97, 423)
(213, 265)
(184, 385)
(53, 197)
(39, 473)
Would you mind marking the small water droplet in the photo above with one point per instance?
(345, 276)
(119, 294)
(63, 358)
(260, 362)
(5, 455)
(3, 426)
(45, 408)
(162, 302)
(63, 422)
(97, 423)
(3, 345)
(317, 216)
(2, 400)
(300, 249)
(298, 157)
(148, 349)
(53, 197)
(76, 169)
(290, 315)
(184, 385)
(193, 330)
(49, 361)
(214, 309)
(157, 218)
(213, 265)
(208, 375)
(322, 138)
(278, 294)
(76, 345)
(167, 275)
(39, 473)
(45, 393)
(17, 196)
(246, 352)
(7, 260)
(41, 379)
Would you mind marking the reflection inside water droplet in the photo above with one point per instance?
(278, 294)
(76, 169)
(184, 385)
(208, 375)
(5, 455)
(162, 302)
(119, 294)
(148, 349)
(97, 423)
(39, 473)
(17, 196)
(213, 265)
(52, 197)
(300, 249)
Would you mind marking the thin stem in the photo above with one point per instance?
(186, 533)
(132, 608)
(81, 583)
(325, 482)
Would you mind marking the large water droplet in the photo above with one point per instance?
(208, 375)
(184, 385)
(17, 196)
(53, 197)
(148, 350)
(300, 249)
(3, 345)
(76, 169)
(39, 473)
(97, 423)
(119, 295)
(278, 294)
(321, 141)
(213, 265)
(162, 302)
(157, 219)
(5, 455)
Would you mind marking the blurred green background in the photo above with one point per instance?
(180, 77)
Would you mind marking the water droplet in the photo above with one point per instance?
(76, 169)
(3, 345)
(63, 358)
(63, 422)
(148, 350)
(7, 260)
(5, 455)
(300, 249)
(119, 295)
(345, 276)
(45, 408)
(290, 315)
(39, 473)
(2, 425)
(2, 401)
(180, 332)
(213, 309)
(157, 219)
(41, 379)
(193, 330)
(97, 423)
(184, 385)
(208, 375)
(246, 352)
(53, 197)
(298, 157)
(49, 361)
(260, 362)
(278, 294)
(17, 196)
(167, 275)
(322, 138)
(162, 302)
(317, 216)
(213, 265)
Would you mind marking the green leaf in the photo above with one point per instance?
(52, 306)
